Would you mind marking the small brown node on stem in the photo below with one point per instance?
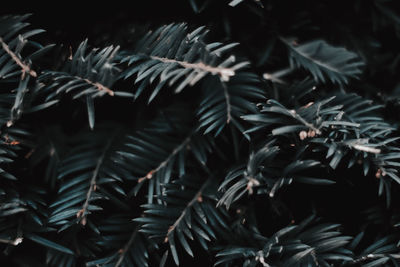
(79, 213)
(308, 105)
(311, 133)
(252, 182)
(379, 173)
(303, 135)
(149, 175)
(70, 53)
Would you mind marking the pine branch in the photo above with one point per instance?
(160, 151)
(25, 68)
(83, 171)
(298, 117)
(13, 40)
(197, 198)
(98, 85)
(224, 73)
(228, 103)
(170, 156)
(81, 215)
(86, 74)
(290, 246)
(194, 215)
(223, 103)
(268, 170)
(345, 123)
(187, 60)
(322, 59)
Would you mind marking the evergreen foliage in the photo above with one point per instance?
(249, 135)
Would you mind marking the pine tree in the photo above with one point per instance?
(256, 133)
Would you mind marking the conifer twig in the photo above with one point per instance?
(228, 103)
(164, 163)
(25, 68)
(81, 214)
(224, 73)
(197, 198)
(99, 86)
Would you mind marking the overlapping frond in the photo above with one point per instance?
(91, 169)
(267, 170)
(156, 157)
(164, 148)
(373, 142)
(13, 39)
(175, 56)
(224, 103)
(17, 53)
(23, 98)
(343, 124)
(187, 213)
(306, 244)
(324, 61)
(86, 74)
